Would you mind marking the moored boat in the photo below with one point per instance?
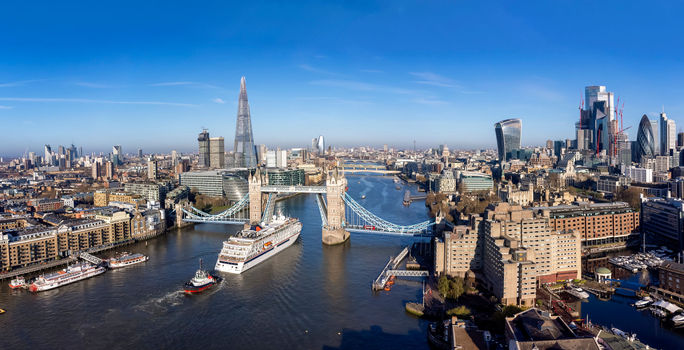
(578, 293)
(202, 281)
(69, 275)
(646, 301)
(126, 259)
(17, 283)
(678, 320)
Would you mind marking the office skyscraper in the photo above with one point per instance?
(656, 136)
(48, 155)
(668, 135)
(217, 155)
(508, 133)
(244, 140)
(203, 140)
(645, 142)
(598, 116)
(117, 156)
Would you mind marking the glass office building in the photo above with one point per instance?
(645, 142)
(508, 134)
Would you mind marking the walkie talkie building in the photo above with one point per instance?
(508, 134)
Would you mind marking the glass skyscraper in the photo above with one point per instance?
(645, 142)
(508, 134)
(245, 153)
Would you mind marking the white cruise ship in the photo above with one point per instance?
(256, 244)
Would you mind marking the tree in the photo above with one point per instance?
(631, 195)
(456, 288)
(460, 312)
(443, 286)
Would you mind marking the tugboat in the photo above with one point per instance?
(17, 283)
(201, 282)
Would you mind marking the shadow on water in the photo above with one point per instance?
(377, 338)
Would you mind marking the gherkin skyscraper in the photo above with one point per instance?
(245, 154)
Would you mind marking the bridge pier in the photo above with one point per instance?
(255, 198)
(334, 232)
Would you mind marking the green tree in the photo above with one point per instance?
(631, 195)
(443, 286)
(460, 312)
(456, 288)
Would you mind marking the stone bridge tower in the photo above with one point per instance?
(255, 197)
(334, 232)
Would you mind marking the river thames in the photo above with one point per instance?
(309, 296)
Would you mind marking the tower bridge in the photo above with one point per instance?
(340, 213)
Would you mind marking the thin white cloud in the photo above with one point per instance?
(219, 100)
(17, 83)
(85, 100)
(540, 91)
(336, 100)
(361, 86)
(186, 83)
(93, 85)
(430, 101)
(6, 107)
(310, 68)
(429, 78)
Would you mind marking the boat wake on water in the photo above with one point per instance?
(161, 304)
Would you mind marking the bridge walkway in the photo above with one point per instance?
(90, 258)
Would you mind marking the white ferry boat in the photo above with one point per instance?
(71, 274)
(126, 259)
(256, 244)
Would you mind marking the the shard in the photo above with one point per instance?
(245, 153)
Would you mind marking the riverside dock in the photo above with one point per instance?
(390, 269)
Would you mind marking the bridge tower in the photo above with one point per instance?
(334, 232)
(255, 197)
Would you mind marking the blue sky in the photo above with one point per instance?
(151, 74)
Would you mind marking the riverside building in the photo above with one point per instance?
(510, 250)
(596, 223)
(216, 184)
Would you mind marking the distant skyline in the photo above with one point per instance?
(152, 75)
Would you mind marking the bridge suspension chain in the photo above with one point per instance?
(199, 215)
(268, 209)
(379, 223)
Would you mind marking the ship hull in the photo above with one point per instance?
(40, 287)
(240, 267)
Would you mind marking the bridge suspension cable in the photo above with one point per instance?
(366, 221)
(268, 209)
(230, 215)
(323, 209)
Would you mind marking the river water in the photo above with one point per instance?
(309, 296)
